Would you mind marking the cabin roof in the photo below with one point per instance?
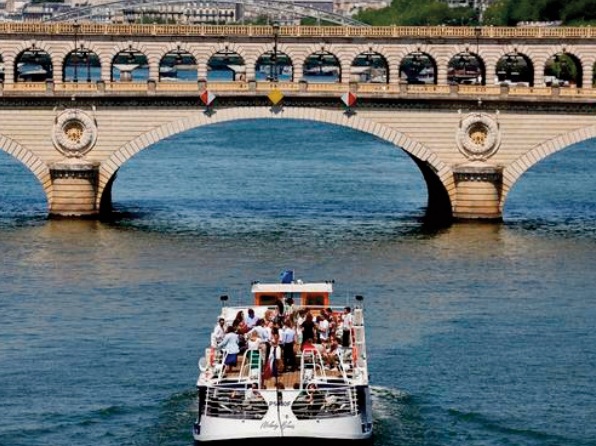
(317, 287)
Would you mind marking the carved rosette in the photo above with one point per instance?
(74, 133)
(478, 136)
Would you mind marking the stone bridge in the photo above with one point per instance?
(471, 140)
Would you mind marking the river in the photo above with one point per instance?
(477, 334)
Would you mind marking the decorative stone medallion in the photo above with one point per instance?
(478, 136)
(74, 133)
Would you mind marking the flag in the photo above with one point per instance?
(287, 276)
(207, 97)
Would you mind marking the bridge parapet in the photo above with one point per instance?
(369, 90)
(444, 32)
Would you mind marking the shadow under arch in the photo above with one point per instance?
(32, 162)
(437, 175)
(513, 172)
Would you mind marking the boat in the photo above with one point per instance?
(322, 393)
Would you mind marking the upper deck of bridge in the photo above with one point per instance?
(373, 32)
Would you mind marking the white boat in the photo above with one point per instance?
(322, 396)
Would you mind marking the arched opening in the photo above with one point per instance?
(369, 67)
(563, 70)
(273, 66)
(230, 179)
(178, 65)
(21, 194)
(81, 65)
(466, 68)
(1, 69)
(515, 69)
(322, 66)
(557, 191)
(418, 68)
(130, 65)
(226, 66)
(33, 65)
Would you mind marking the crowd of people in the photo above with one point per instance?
(284, 331)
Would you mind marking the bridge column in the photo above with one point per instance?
(441, 73)
(587, 76)
(74, 186)
(201, 71)
(478, 191)
(297, 70)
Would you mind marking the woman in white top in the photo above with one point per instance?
(231, 345)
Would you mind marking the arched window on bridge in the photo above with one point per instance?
(33, 65)
(466, 68)
(515, 69)
(418, 68)
(369, 67)
(130, 65)
(178, 65)
(274, 66)
(1, 69)
(81, 65)
(563, 70)
(322, 66)
(226, 66)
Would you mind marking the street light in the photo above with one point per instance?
(274, 75)
(76, 25)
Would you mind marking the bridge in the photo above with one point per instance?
(475, 108)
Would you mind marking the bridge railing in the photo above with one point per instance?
(244, 88)
(490, 32)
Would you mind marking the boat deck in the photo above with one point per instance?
(288, 380)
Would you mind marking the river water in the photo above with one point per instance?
(478, 334)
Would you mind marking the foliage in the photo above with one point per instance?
(510, 12)
(417, 13)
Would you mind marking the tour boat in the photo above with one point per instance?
(322, 396)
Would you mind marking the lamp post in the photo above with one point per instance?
(275, 75)
(76, 25)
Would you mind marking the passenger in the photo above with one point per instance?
(230, 344)
(254, 342)
(314, 399)
(251, 319)
(308, 345)
(239, 324)
(252, 393)
(331, 355)
(308, 328)
(288, 339)
(323, 328)
(218, 332)
(274, 365)
(347, 327)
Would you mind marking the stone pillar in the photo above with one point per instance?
(478, 191)
(74, 188)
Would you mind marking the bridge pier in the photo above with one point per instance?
(478, 192)
(74, 188)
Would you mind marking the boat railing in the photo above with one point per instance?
(251, 367)
(312, 367)
(235, 402)
(317, 403)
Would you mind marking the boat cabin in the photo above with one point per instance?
(304, 294)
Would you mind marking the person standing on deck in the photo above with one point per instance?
(231, 345)
(218, 332)
(348, 323)
(288, 339)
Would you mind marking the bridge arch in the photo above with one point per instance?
(515, 170)
(38, 168)
(437, 174)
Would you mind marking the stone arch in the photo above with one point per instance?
(516, 169)
(464, 50)
(577, 58)
(266, 51)
(523, 51)
(83, 46)
(126, 47)
(175, 47)
(436, 173)
(330, 50)
(37, 167)
(32, 44)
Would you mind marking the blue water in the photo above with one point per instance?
(478, 334)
